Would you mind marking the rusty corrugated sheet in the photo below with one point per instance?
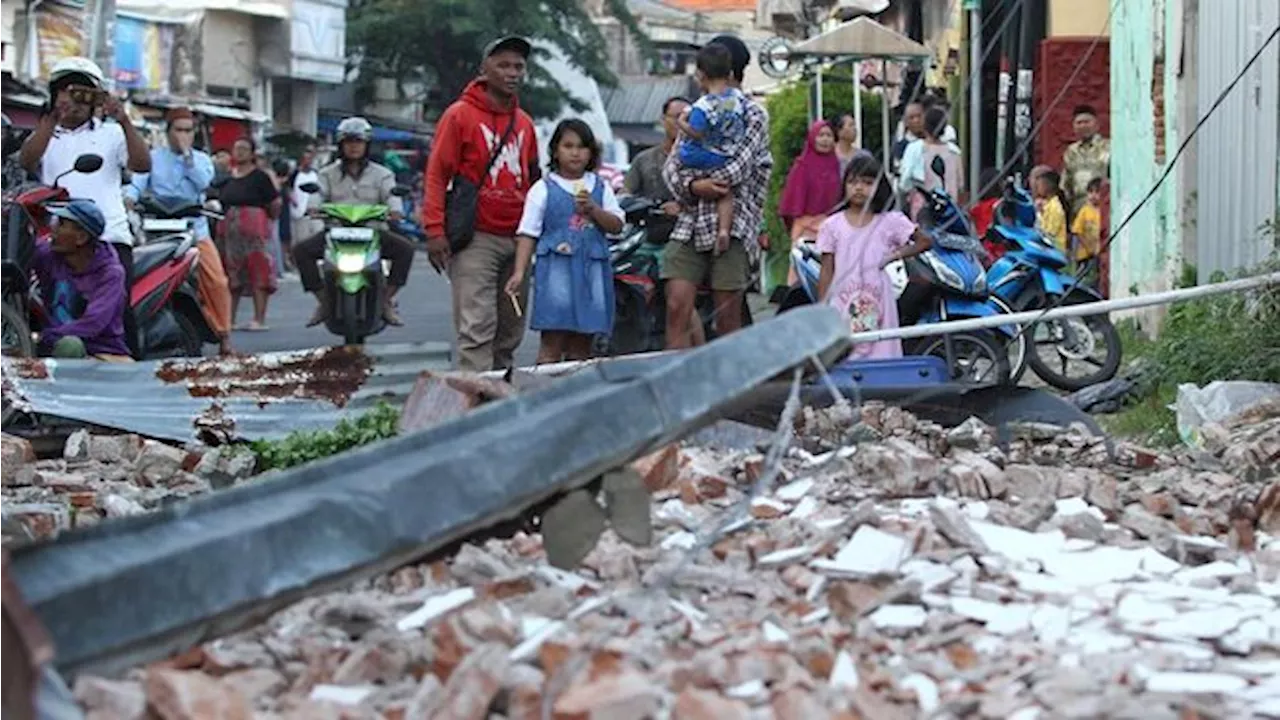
(256, 397)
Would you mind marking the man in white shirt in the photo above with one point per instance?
(70, 129)
(303, 226)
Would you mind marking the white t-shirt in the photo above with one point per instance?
(298, 208)
(104, 186)
(535, 203)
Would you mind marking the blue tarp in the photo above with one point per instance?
(329, 123)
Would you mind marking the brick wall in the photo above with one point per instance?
(1092, 86)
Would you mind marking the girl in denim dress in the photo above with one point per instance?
(566, 216)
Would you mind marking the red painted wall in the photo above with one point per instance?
(1058, 59)
(1092, 86)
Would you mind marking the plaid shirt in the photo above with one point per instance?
(746, 172)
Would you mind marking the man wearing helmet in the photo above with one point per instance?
(353, 179)
(70, 129)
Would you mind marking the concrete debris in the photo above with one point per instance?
(897, 570)
(106, 476)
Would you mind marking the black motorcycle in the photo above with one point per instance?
(640, 315)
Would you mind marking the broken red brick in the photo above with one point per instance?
(474, 684)
(627, 695)
(179, 695)
(15, 454)
(660, 469)
(695, 704)
(797, 704)
(1162, 504)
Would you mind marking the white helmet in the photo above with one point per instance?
(78, 66)
(354, 127)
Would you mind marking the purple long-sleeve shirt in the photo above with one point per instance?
(88, 305)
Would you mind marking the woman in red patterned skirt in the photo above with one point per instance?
(251, 203)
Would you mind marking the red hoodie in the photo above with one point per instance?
(466, 136)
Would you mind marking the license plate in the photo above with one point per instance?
(164, 224)
(349, 234)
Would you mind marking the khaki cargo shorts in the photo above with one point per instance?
(728, 272)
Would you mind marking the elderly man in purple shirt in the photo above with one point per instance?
(83, 283)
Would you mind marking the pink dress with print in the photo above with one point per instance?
(861, 288)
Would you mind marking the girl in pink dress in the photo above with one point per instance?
(856, 245)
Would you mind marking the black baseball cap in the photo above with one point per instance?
(513, 43)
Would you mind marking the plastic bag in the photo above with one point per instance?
(1196, 408)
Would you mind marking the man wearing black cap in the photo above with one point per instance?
(689, 258)
(484, 159)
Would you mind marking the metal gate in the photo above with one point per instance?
(1238, 196)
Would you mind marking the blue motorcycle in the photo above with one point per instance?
(1083, 351)
(946, 282)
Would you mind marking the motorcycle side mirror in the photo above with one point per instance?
(88, 163)
(309, 188)
(399, 191)
(939, 167)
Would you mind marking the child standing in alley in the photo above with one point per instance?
(1086, 231)
(1051, 207)
(714, 127)
(566, 216)
(856, 245)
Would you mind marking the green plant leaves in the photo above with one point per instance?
(298, 448)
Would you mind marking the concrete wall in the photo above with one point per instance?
(1077, 18)
(231, 49)
(1146, 254)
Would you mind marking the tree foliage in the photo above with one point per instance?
(439, 42)
(788, 126)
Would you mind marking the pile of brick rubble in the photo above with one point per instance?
(897, 570)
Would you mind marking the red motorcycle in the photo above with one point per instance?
(162, 294)
(26, 221)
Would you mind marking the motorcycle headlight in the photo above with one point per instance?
(980, 284)
(949, 277)
(350, 263)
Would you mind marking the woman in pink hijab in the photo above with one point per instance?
(813, 188)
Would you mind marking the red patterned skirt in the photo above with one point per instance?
(248, 256)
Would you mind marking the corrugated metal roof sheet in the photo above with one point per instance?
(259, 397)
(638, 100)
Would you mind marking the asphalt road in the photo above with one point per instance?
(424, 305)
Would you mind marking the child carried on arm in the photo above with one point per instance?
(714, 128)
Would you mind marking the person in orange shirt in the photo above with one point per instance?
(1086, 231)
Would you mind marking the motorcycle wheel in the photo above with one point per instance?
(1019, 347)
(980, 359)
(1099, 329)
(631, 330)
(192, 343)
(17, 334)
(351, 334)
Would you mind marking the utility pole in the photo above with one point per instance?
(974, 7)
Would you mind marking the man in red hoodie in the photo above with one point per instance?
(485, 128)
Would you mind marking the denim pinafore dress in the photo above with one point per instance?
(573, 277)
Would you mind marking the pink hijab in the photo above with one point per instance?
(813, 185)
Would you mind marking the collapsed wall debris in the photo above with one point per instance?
(898, 569)
(147, 586)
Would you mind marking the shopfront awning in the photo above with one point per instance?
(328, 123)
(229, 113)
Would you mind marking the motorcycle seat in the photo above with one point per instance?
(150, 257)
(170, 208)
